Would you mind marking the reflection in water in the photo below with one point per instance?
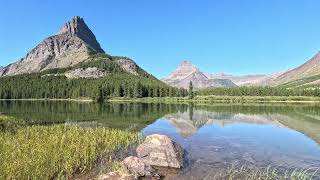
(215, 139)
(214, 136)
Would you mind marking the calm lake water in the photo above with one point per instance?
(215, 136)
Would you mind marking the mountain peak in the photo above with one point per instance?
(74, 43)
(187, 66)
(187, 72)
(77, 27)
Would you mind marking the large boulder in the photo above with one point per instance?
(137, 166)
(160, 150)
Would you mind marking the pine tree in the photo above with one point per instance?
(190, 90)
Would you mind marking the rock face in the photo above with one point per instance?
(128, 65)
(137, 166)
(90, 72)
(187, 72)
(159, 150)
(73, 44)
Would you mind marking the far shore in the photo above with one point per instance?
(196, 99)
(46, 99)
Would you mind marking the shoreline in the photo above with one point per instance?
(223, 99)
(196, 99)
(46, 99)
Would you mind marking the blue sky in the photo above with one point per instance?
(236, 37)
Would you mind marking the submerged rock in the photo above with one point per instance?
(116, 176)
(137, 166)
(160, 150)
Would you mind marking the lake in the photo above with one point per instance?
(215, 136)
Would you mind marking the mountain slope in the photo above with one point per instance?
(187, 72)
(308, 69)
(74, 43)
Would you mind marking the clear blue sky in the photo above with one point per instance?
(237, 37)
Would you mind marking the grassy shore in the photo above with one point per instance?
(57, 151)
(225, 99)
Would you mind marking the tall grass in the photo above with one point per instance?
(46, 152)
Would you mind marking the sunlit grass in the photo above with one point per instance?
(46, 152)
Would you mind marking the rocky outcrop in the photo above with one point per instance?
(73, 44)
(128, 65)
(160, 150)
(90, 72)
(187, 72)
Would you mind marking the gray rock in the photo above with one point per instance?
(128, 65)
(137, 166)
(90, 72)
(116, 176)
(160, 150)
(74, 44)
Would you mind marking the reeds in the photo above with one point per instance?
(58, 151)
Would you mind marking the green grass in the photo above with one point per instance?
(57, 151)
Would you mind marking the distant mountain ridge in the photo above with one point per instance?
(248, 80)
(308, 69)
(187, 72)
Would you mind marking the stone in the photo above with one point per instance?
(137, 166)
(73, 44)
(160, 150)
(116, 176)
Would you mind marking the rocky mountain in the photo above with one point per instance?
(187, 72)
(247, 80)
(74, 43)
(302, 73)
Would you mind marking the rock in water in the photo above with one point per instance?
(73, 44)
(138, 166)
(160, 150)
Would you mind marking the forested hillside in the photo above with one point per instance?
(116, 83)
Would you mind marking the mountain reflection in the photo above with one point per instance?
(190, 121)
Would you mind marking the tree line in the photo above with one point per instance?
(259, 91)
(59, 87)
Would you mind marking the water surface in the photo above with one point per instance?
(215, 136)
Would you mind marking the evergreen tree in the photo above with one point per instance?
(190, 90)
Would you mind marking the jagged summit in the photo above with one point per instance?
(77, 27)
(187, 72)
(74, 43)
